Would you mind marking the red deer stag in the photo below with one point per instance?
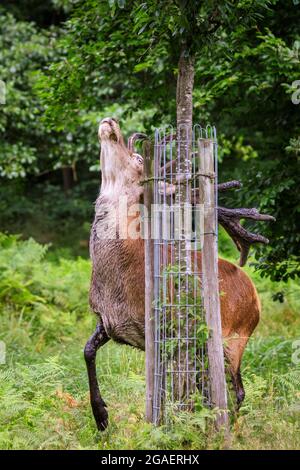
(117, 285)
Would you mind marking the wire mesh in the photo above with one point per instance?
(181, 378)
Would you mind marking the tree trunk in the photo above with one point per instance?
(184, 103)
(68, 178)
(184, 383)
(184, 94)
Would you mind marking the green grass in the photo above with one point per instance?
(45, 322)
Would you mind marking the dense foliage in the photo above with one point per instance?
(43, 386)
(28, 147)
(69, 63)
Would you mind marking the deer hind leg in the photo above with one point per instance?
(98, 339)
(237, 383)
(233, 353)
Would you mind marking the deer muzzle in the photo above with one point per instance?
(109, 130)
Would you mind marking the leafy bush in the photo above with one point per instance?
(52, 296)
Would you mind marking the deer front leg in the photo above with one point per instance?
(98, 339)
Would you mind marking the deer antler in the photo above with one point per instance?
(133, 138)
(229, 185)
(243, 239)
(230, 220)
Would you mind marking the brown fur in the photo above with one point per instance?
(118, 289)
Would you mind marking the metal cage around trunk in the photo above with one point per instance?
(184, 352)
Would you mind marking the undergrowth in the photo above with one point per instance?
(45, 322)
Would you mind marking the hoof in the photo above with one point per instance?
(101, 416)
(240, 398)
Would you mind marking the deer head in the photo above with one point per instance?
(122, 169)
(117, 207)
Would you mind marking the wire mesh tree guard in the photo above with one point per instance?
(183, 334)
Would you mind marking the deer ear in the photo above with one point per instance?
(133, 138)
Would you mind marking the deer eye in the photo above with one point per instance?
(139, 158)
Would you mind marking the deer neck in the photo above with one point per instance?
(117, 207)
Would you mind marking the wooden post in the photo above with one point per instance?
(149, 317)
(211, 284)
